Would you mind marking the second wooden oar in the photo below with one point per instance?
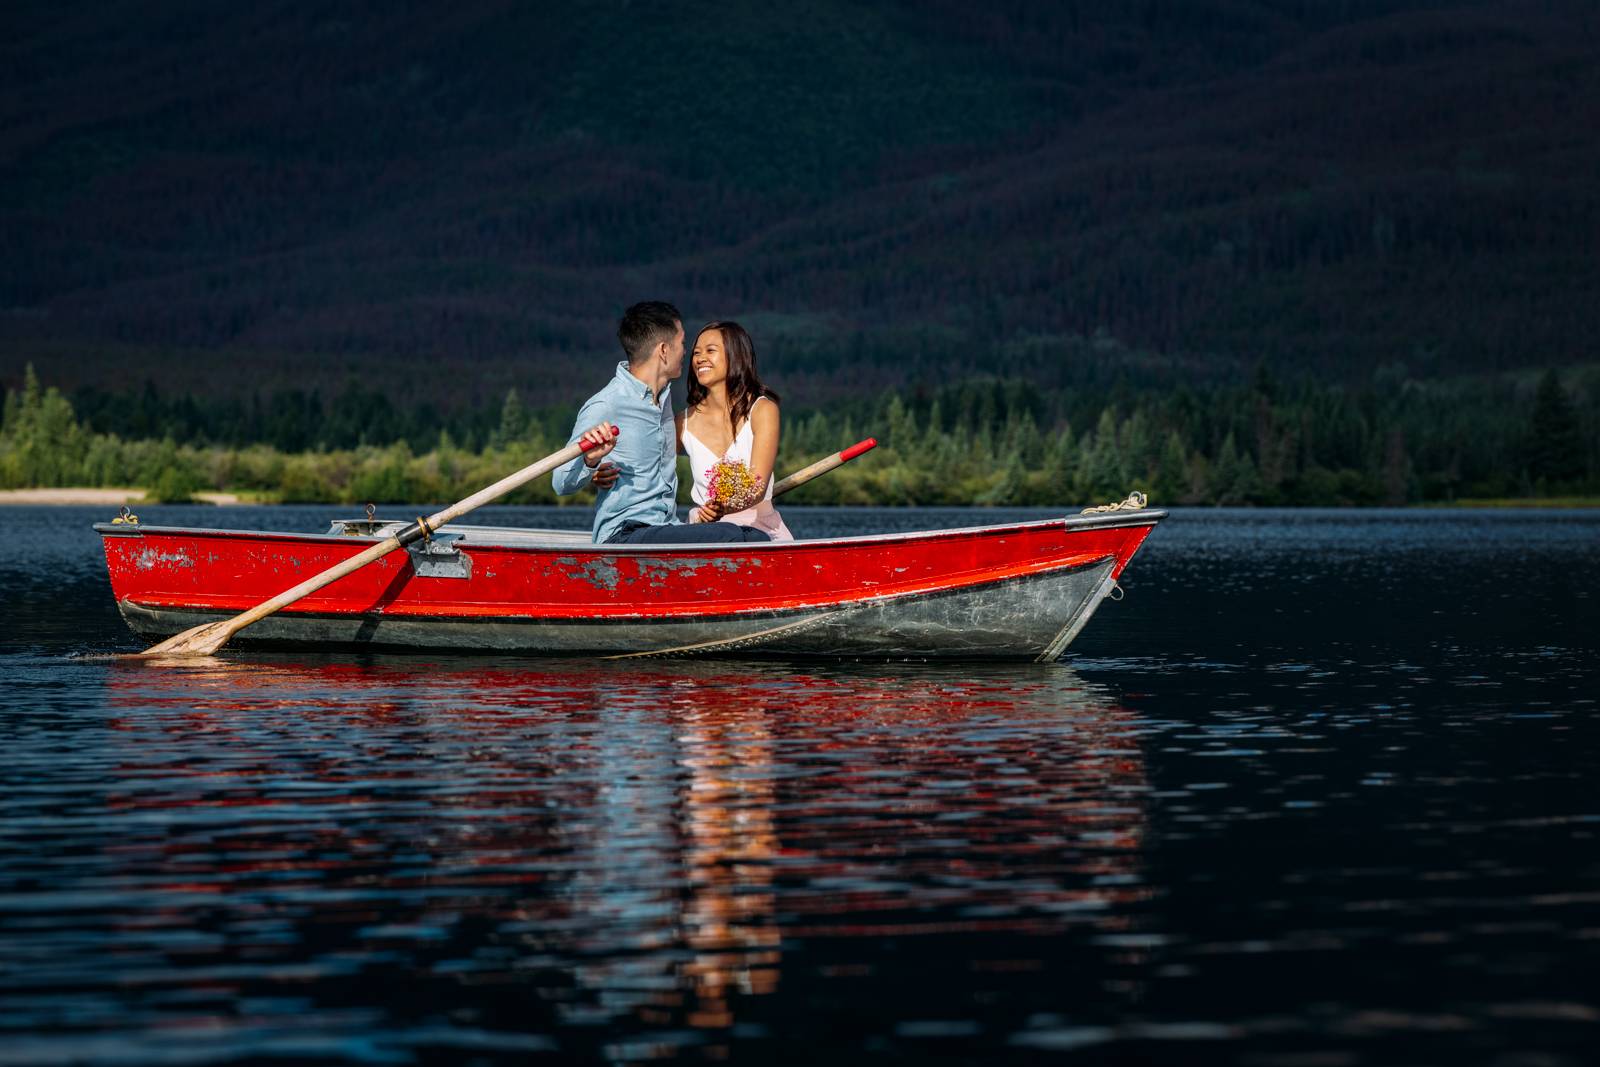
(205, 639)
(823, 466)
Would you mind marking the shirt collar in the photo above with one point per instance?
(637, 388)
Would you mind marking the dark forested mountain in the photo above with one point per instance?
(459, 198)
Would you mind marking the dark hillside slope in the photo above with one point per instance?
(1340, 205)
(1339, 186)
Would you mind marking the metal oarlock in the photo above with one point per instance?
(438, 557)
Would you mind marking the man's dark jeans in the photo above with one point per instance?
(699, 533)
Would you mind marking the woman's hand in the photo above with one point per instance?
(710, 511)
(605, 475)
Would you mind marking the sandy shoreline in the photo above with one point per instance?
(106, 497)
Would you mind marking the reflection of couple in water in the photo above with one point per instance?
(729, 432)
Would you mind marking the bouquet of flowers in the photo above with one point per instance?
(732, 483)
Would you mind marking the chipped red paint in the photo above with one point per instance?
(230, 571)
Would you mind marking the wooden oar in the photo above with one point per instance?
(823, 466)
(205, 639)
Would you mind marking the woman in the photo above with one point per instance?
(730, 416)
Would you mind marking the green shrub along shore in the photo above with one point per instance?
(977, 442)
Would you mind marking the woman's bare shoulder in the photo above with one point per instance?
(764, 414)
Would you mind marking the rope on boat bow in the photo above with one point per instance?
(1136, 502)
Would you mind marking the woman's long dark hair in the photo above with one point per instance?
(744, 385)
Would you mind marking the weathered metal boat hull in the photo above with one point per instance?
(1008, 618)
(1023, 590)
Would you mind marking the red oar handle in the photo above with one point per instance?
(584, 446)
(856, 449)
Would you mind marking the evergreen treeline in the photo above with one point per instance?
(980, 441)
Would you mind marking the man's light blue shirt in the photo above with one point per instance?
(646, 452)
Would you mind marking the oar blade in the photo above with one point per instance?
(203, 640)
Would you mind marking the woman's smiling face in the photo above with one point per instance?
(710, 360)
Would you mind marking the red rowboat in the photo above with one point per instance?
(1019, 590)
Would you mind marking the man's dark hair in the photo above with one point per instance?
(646, 325)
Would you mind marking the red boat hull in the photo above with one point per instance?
(1009, 590)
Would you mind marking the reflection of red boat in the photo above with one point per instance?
(1022, 590)
(606, 853)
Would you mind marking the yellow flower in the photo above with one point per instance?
(732, 483)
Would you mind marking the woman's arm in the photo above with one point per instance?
(678, 419)
(764, 451)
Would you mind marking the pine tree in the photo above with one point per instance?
(902, 426)
(1234, 479)
(513, 421)
(1102, 473)
(1555, 446)
(933, 433)
(1172, 473)
(1139, 450)
(1396, 470)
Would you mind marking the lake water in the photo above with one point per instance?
(1322, 790)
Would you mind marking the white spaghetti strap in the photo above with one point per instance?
(745, 425)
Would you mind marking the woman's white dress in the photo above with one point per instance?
(701, 459)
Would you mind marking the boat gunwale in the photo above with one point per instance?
(1107, 520)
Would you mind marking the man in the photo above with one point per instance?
(638, 501)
